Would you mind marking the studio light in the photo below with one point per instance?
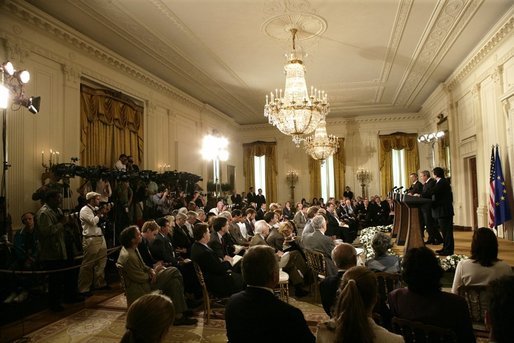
(32, 103)
(22, 75)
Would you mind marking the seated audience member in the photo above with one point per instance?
(287, 212)
(283, 322)
(249, 223)
(141, 279)
(26, 243)
(345, 257)
(149, 319)
(300, 218)
(261, 232)
(383, 262)
(352, 321)
(235, 228)
(161, 248)
(149, 231)
(423, 301)
(317, 241)
(499, 315)
(180, 238)
(483, 266)
(219, 278)
(218, 241)
(311, 212)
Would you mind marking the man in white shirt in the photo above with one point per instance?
(93, 245)
(121, 164)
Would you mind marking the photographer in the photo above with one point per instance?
(53, 255)
(93, 245)
(162, 201)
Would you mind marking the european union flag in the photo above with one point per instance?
(501, 208)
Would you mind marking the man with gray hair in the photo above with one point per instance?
(257, 301)
(261, 232)
(317, 241)
(311, 212)
(344, 257)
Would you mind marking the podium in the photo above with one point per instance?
(413, 237)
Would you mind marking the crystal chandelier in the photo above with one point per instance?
(320, 146)
(296, 112)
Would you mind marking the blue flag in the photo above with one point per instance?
(501, 202)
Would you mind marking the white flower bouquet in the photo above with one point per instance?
(366, 237)
(449, 263)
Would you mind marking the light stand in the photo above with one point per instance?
(214, 148)
(11, 88)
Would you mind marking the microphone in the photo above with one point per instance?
(399, 188)
(405, 191)
(394, 188)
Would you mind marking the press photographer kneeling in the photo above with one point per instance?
(92, 270)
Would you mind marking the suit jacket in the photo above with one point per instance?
(275, 240)
(328, 289)
(257, 240)
(236, 234)
(259, 200)
(442, 207)
(137, 280)
(249, 227)
(299, 220)
(144, 251)
(427, 188)
(219, 247)
(216, 273)
(415, 188)
(317, 241)
(181, 239)
(245, 311)
(162, 250)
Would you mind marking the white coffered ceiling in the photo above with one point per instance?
(370, 56)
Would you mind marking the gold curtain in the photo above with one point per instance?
(110, 124)
(315, 177)
(339, 169)
(397, 141)
(267, 149)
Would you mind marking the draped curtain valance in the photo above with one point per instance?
(111, 124)
(397, 141)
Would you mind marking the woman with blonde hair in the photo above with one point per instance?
(149, 319)
(352, 320)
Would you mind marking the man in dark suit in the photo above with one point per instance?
(318, 241)
(181, 240)
(161, 248)
(345, 257)
(416, 187)
(218, 241)
(247, 308)
(260, 198)
(250, 217)
(442, 210)
(218, 273)
(250, 196)
(434, 236)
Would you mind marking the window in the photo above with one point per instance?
(399, 173)
(327, 178)
(259, 163)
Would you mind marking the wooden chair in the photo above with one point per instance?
(316, 261)
(386, 282)
(422, 333)
(123, 278)
(477, 304)
(283, 286)
(209, 300)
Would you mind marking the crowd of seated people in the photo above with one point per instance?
(161, 257)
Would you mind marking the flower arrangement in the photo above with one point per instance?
(366, 237)
(449, 263)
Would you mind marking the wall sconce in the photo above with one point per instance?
(292, 179)
(364, 177)
(54, 158)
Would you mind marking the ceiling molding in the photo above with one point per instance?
(485, 50)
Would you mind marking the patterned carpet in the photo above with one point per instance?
(107, 324)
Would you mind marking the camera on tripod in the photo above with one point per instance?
(71, 215)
